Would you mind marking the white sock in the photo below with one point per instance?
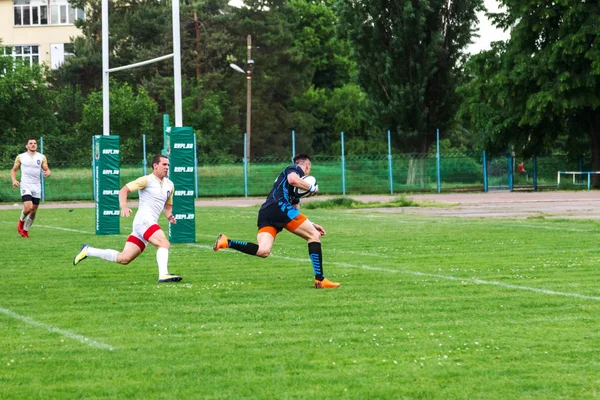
(22, 217)
(105, 254)
(162, 258)
(27, 224)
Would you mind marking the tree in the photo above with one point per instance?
(314, 23)
(543, 83)
(407, 53)
(133, 114)
(25, 107)
(280, 74)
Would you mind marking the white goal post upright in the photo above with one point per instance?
(106, 70)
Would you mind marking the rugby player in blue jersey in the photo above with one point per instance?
(282, 210)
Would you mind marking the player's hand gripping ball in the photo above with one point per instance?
(313, 187)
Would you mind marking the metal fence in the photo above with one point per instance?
(343, 175)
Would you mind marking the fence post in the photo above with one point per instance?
(390, 163)
(42, 173)
(588, 174)
(437, 162)
(196, 165)
(485, 175)
(343, 168)
(510, 172)
(245, 166)
(144, 162)
(535, 173)
(293, 144)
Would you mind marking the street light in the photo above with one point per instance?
(248, 72)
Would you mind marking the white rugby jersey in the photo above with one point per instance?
(31, 167)
(154, 194)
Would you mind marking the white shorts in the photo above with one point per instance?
(142, 231)
(34, 190)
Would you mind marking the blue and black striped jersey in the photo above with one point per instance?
(282, 191)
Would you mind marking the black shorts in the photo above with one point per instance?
(28, 197)
(275, 216)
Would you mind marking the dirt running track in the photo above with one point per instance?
(559, 204)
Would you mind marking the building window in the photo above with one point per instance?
(27, 54)
(35, 12)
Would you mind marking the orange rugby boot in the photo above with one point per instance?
(221, 243)
(325, 284)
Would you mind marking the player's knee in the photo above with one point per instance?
(121, 259)
(314, 237)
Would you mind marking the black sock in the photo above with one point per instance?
(316, 256)
(244, 247)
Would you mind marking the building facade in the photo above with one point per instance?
(38, 31)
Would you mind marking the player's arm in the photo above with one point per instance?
(169, 213)
(125, 211)
(13, 172)
(45, 168)
(295, 180)
(168, 209)
(138, 184)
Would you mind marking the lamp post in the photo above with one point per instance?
(248, 72)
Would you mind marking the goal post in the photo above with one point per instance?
(106, 70)
(107, 185)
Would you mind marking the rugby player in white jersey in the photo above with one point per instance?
(156, 196)
(32, 164)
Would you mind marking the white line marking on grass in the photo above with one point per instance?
(452, 278)
(64, 229)
(50, 328)
(415, 273)
(473, 280)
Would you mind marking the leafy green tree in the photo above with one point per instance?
(328, 112)
(407, 54)
(544, 83)
(316, 38)
(25, 107)
(204, 110)
(280, 74)
(133, 114)
(66, 146)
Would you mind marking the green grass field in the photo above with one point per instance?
(428, 309)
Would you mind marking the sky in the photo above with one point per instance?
(487, 32)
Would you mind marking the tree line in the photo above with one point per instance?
(321, 67)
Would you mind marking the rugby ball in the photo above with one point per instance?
(309, 179)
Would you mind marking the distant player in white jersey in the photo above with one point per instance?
(32, 164)
(156, 196)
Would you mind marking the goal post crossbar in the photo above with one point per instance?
(139, 64)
